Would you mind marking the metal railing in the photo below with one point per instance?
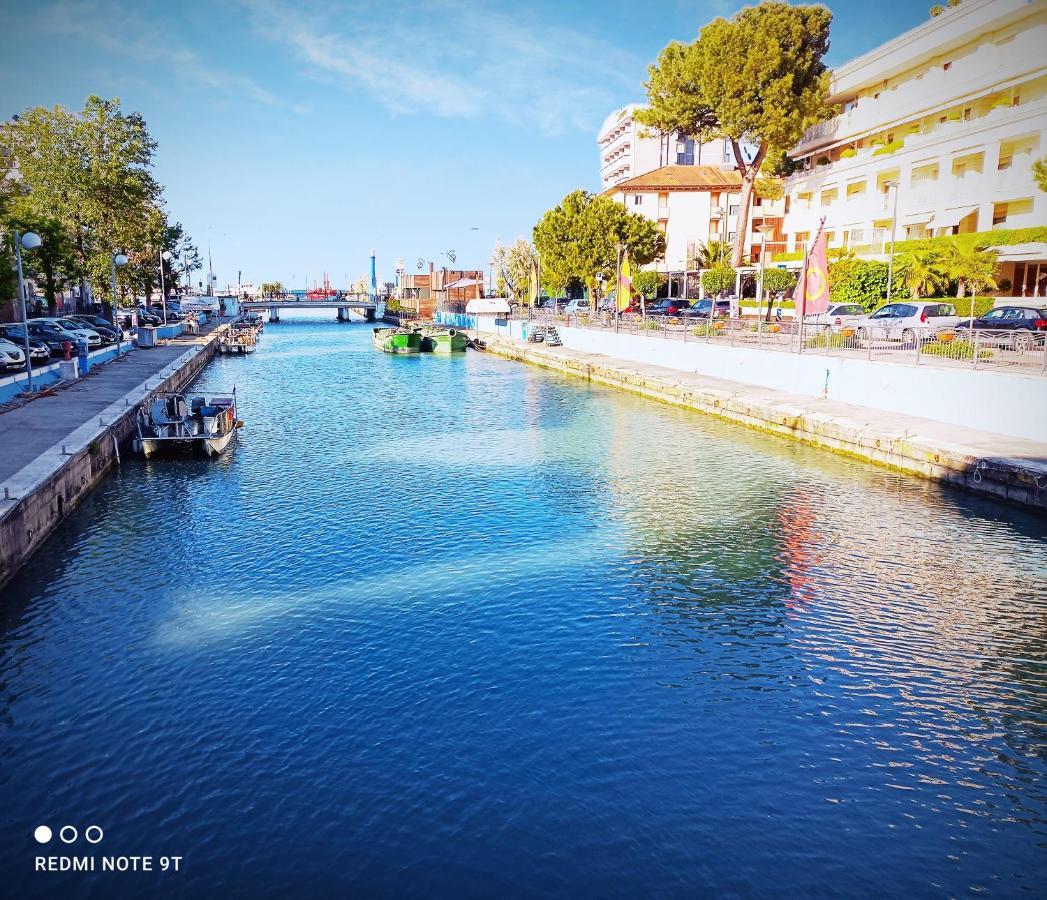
(981, 349)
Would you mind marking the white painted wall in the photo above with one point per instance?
(998, 402)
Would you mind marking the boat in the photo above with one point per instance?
(398, 340)
(241, 338)
(440, 339)
(177, 422)
(321, 293)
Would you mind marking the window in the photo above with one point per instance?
(732, 210)
(855, 189)
(967, 113)
(829, 196)
(637, 199)
(685, 152)
(946, 66)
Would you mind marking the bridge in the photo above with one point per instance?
(343, 306)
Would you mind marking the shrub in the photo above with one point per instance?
(827, 337)
(888, 149)
(392, 306)
(981, 305)
(1005, 285)
(650, 325)
(822, 161)
(864, 281)
(958, 349)
(718, 279)
(937, 11)
(848, 153)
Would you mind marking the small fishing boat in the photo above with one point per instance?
(239, 339)
(397, 340)
(177, 422)
(439, 339)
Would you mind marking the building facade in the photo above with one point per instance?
(629, 149)
(943, 123)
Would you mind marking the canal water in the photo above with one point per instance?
(457, 627)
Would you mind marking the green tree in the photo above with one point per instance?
(718, 280)
(760, 77)
(272, 288)
(580, 237)
(53, 263)
(971, 269)
(647, 282)
(920, 270)
(1039, 172)
(710, 253)
(91, 173)
(514, 265)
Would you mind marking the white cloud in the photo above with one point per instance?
(137, 39)
(455, 58)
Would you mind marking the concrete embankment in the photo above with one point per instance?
(1013, 469)
(69, 442)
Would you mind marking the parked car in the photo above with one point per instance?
(77, 330)
(39, 352)
(1020, 327)
(577, 307)
(147, 318)
(56, 337)
(11, 355)
(907, 322)
(700, 309)
(838, 315)
(100, 324)
(668, 306)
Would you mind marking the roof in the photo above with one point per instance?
(488, 305)
(681, 178)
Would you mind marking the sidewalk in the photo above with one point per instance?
(29, 430)
(1010, 468)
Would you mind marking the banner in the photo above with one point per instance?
(812, 293)
(624, 296)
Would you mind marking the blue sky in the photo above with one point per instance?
(297, 136)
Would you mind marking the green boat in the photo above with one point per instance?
(443, 340)
(397, 340)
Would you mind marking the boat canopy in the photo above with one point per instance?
(488, 306)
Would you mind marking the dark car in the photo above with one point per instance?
(145, 317)
(55, 337)
(103, 326)
(700, 309)
(670, 306)
(39, 352)
(1020, 327)
(551, 303)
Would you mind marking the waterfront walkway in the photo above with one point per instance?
(29, 430)
(1011, 468)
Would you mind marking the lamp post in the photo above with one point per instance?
(30, 240)
(166, 254)
(117, 259)
(894, 229)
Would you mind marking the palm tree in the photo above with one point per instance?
(709, 255)
(970, 269)
(920, 269)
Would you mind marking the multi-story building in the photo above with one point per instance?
(694, 205)
(945, 121)
(629, 149)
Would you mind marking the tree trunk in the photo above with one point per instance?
(748, 171)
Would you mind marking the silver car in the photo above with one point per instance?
(11, 355)
(838, 315)
(908, 321)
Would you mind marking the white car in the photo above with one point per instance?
(576, 307)
(11, 355)
(909, 321)
(838, 315)
(77, 330)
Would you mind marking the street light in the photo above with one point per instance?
(30, 240)
(168, 255)
(894, 228)
(117, 259)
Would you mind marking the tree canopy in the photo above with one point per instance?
(513, 266)
(758, 79)
(579, 238)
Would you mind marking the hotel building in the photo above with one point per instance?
(945, 121)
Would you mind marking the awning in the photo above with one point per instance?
(461, 283)
(950, 217)
(488, 306)
(1034, 251)
(917, 218)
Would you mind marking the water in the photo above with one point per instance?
(460, 626)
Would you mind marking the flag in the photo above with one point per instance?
(813, 290)
(533, 288)
(624, 296)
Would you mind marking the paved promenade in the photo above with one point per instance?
(1010, 468)
(27, 431)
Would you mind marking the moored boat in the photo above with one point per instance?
(239, 339)
(397, 340)
(177, 422)
(437, 339)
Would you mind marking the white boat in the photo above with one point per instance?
(177, 422)
(239, 338)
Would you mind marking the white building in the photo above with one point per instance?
(953, 112)
(628, 149)
(695, 205)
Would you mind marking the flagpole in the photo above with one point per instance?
(617, 286)
(803, 280)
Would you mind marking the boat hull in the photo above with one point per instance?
(190, 446)
(391, 340)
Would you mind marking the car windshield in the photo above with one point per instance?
(70, 324)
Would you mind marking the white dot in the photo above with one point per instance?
(42, 834)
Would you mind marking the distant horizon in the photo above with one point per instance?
(293, 140)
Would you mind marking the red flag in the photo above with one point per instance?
(813, 290)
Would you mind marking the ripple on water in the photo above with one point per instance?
(453, 626)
